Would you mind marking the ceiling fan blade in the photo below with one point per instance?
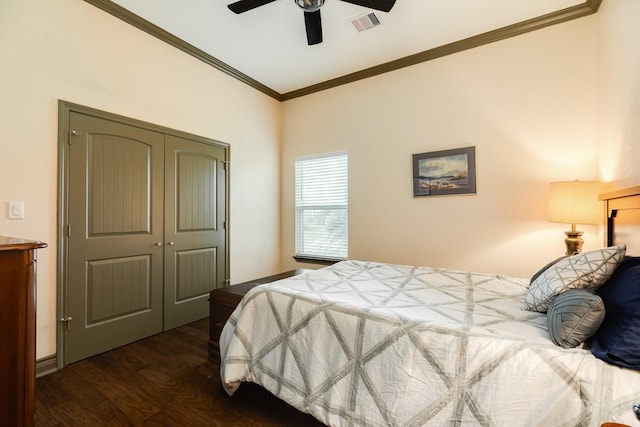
(383, 5)
(245, 5)
(313, 23)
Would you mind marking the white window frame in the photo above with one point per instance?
(324, 198)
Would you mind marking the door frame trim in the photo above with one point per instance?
(65, 109)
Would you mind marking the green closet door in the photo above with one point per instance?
(115, 236)
(145, 233)
(195, 244)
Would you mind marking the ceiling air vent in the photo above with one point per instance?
(365, 22)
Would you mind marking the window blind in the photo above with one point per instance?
(322, 202)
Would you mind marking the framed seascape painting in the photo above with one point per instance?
(445, 172)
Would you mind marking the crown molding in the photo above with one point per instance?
(574, 12)
(155, 31)
(589, 7)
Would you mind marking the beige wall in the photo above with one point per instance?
(528, 105)
(70, 50)
(619, 91)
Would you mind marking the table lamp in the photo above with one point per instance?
(575, 202)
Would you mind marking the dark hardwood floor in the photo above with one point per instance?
(164, 380)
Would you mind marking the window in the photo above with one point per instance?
(322, 201)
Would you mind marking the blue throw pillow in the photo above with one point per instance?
(574, 316)
(617, 341)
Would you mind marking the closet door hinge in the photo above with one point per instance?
(68, 231)
(73, 133)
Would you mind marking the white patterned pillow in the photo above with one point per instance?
(589, 270)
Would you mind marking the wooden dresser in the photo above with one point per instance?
(223, 301)
(17, 330)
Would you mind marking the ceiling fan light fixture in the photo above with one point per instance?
(309, 5)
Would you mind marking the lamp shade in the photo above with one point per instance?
(575, 202)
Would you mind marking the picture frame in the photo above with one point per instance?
(444, 172)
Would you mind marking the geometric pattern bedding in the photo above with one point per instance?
(371, 344)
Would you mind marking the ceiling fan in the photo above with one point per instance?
(311, 9)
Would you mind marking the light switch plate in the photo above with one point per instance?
(16, 210)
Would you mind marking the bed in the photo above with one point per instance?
(370, 344)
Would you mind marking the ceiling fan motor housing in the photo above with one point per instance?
(310, 5)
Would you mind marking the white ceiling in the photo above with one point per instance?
(268, 44)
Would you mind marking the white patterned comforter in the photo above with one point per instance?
(370, 344)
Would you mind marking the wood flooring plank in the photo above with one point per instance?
(134, 402)
(164, 380)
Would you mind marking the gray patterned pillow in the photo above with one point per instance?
(574, 316)
(545, 268)
(588, 270)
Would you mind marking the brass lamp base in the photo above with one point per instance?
(573, 241)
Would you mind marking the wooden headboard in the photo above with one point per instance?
(623, 218)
